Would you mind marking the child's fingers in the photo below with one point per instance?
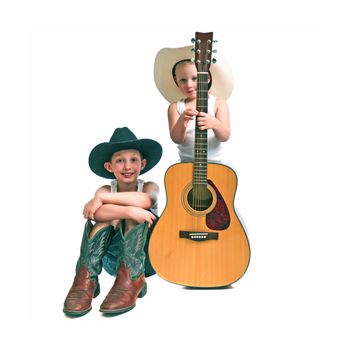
(150, 220)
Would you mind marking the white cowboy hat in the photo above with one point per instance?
(222, 78)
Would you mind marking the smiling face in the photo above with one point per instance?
(126, 165)
(186, 78)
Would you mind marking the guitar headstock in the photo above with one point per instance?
(203, 51)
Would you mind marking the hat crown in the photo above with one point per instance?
(123, 135)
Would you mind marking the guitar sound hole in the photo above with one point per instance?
(200, 198)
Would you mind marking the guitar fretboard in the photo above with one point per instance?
(201, 136)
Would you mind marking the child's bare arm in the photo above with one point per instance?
(110, 212)
(178, 123)
(137, 199)
(107, 206)
(95, 203)
(104, 196)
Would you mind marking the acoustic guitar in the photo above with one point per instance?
(199, 240)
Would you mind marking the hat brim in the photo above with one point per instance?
(151, 150)
(222, 78)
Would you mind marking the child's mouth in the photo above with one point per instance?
(128, 174)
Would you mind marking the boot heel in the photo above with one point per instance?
(143, 291)
(97, 291)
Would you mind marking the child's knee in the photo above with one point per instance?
(97, 227)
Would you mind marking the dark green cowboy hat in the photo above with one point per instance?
(122, 139)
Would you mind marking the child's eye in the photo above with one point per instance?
(194, 78)
(119, 161)
(183, 81)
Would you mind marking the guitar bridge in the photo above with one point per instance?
(199, 236)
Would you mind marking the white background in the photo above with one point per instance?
(74, 71)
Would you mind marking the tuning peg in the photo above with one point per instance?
(193, 49)
(198, 41)
(215, 41)
(214, 51)
(213, 60)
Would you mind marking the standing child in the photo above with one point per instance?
(176, 78)
(123, 218)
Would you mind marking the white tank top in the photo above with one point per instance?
(114, 185)
(186, 149)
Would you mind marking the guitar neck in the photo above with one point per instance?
(201, 136)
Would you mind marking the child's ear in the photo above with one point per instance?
(143, 163)
(108, 167)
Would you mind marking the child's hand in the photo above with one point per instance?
(91, 207)
(188, 115)
(141, 215)
(204, 121)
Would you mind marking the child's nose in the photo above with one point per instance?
(189, 85)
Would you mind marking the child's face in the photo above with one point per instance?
(186, 79)
(126, 165)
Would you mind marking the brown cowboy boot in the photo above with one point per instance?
(130, 282)
(86, 286)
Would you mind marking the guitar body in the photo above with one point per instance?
(198, 247)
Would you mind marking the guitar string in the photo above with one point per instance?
(201, 161)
